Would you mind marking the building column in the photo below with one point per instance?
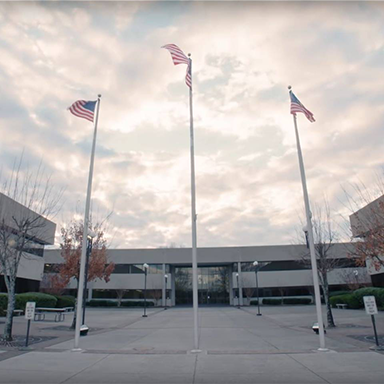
(90, 292)
(164, 288)
(173, 293)
(240, 287)
(230, 278)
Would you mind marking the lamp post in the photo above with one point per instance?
(356, 273)
(166, 297)
(145, 266)
(256, 265)
(90, 237)
(238, 291)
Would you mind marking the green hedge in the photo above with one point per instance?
(3, 301)
(351, 300)
(41, 299)
(137, 304)
(65, 301)
(372, 291)
(254, 302)
(339, 293)
(294, 300)
(272, 301)
(102, 303)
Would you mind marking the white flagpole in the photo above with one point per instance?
(310, 240)
(85, 235)
(194, 217)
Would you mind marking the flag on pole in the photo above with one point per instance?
(179, 57)
(296, 106)
(83, 109)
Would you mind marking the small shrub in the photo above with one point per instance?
(3, 301)
(41, 300)
(350, 299)
(2, 312)
(253, 302)
(300, 301)
(371, 291)
(272, 301)
(65, 301)
(339, 293)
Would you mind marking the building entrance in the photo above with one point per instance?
(213, 285)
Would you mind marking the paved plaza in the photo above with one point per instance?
(236, 347)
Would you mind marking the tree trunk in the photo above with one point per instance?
(10, 308)
(330, 320)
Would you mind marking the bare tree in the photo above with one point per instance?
(27, 200)
(324, 239)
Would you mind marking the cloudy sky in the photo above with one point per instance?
(244, 57)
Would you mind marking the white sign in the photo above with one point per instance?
(30, 310)
(370, 305)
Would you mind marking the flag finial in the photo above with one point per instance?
(99, 96)
(289, 87)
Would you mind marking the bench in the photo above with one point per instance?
(342, 306)
(17, 312)
(59, 313)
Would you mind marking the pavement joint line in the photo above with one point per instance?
(194, 370)
(310, 370)
(90, 366)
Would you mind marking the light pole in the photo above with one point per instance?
(256, 265)
(145, 266)
(238, 291)
(90, 237)
(356, 273)
(166, 297)
(12, 244)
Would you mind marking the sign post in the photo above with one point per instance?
(29, 315)
(371, 309)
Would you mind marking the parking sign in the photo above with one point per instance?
(30, 310)
(370, 305)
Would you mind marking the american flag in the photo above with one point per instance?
(296, 106)
(83, 109)
(179, 57)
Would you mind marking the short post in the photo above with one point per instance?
(371, 309)
(29, 315)
(145, 266)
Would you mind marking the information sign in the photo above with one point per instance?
(370, 305)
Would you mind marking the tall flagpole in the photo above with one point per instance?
(310, 239)
(85, 235)
(194, 217)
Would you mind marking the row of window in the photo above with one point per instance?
(220, 271)
(119, 268)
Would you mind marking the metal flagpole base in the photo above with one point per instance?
(322, 350)
(259, 314)
(77, 350)
(145, 316)
(196, 351)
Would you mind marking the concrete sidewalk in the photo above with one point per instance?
(237, 347)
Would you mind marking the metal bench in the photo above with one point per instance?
(342, 306)
(59, 313)
(17, 312)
